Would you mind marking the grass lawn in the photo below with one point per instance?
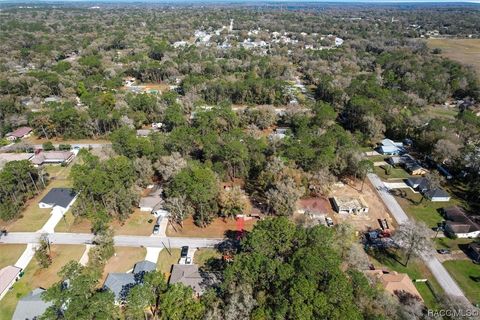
(452, 244)
(166, 259)
(416, 269)
(123, 260)
(10, 253)
(35, 277)
(73, 224)
(202, 255)
(217, 229)
(467, 275)
(426, 211)
(395, 173)
(138, 223)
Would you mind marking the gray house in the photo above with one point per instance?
(121, 283)
(189, 275)
(31, 307)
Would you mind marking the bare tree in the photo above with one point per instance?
(320, 182)
(143, 168)
(168, 166)
(283, 198)
(178, 209)
(445, 150)
(413, 237)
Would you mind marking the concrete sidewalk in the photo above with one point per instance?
(26, 256)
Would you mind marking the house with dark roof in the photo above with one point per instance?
(474, 251)
(460, 224)
(121, 283)
(189, 275)
(32, 306)
(421, 185)
(58, 199)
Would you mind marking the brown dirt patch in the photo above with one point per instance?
(217, 229)
(364, 221)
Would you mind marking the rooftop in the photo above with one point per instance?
(394, 282)
(20, 132)
(189, 275)
(59, 197)
(31, 306)
(52, 156)
(7, 275)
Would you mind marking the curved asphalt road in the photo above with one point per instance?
(438, 270)
(123, 241)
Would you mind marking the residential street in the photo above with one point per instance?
(123, 241)
(438, 270)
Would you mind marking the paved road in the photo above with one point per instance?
(122, 241)
(438, 270)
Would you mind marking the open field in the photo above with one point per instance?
(466, 51)
(166, 259)
(203, 255)
(362, 221)
(138, 223)
(217, 229)
(72, 224)
(426, 210)
(467, 275)
(416, 269)
(36, 277)
(9, 253)
(123, 260)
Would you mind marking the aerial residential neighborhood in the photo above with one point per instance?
(184, 160)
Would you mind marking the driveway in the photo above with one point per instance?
(438, 270)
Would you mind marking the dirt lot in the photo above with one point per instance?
(362, 221)
(466, 51)
(216, 229)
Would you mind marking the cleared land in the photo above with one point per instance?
(203, 255)
(36, 277)
(467, 275)
(466, 51)
(72, 224)
(362, 221)
(166, 259)
(123, 260)
(217, 229)
(9, 253)
(138, 223)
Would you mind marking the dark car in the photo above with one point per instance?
(184, 252)
(156, 229)
(444, 251)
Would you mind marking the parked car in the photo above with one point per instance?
(184, 252)
(188, 260)
(444, 251)
(329, 221)
(156, 229)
